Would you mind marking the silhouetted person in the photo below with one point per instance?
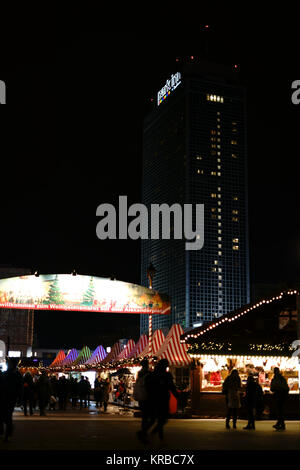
(280, 389)
(98, 392)
(62, 392)
(11, 391)
(253, 400)
(106, 389)
(231, 388)
(142, 395)
(44, 391)
(74, 391)
(83, 391)
(160, 386)
(54, 390)
(28, 393)
(88, 389)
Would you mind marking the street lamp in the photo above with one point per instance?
(150, 274)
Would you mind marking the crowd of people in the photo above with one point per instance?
(152, 391)
(44, 393)
(254, 401)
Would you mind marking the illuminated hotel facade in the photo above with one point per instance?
(194, 152)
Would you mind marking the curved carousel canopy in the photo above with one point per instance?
(80, 293)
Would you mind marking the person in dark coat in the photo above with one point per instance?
(160, 386)
(98, 392)
(253, 400)
(62, 392)
(83, 391)
(44, 392)
(11, 392)
(54, 390)
(231, 388)
(280, 389)
(88, 389)
(143, 397)
(106, 389)
(74, 391)
(28, 393)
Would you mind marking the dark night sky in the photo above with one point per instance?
(72, 139)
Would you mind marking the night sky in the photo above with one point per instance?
(72, 139)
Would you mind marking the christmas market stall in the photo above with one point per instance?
(157, 341)
(61, 356)
(176, 353)
(253, 339)
(98, 355)
(138, 349)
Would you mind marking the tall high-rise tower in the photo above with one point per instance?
(194, 152)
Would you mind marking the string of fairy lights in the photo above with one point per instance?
(236, 316)
(281, 349)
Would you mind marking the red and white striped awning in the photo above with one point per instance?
(173, 349)
(98, 355)
(126, 351)
(139, 347)
(72, 355)
(59, 359)
(115, 351)
(157, 341)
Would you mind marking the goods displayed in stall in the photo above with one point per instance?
(214, 370)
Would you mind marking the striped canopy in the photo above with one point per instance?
(59, 359)
(126, 351)
(83, 356)
(115, 351)
(157, 341)
(173, 350)
(98, 355)
(72, 355)
(139, 347)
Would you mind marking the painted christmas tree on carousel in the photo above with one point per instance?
(88, 296)
(54, 295)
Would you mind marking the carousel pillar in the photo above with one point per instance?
(150, 273)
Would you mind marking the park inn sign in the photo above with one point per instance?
(170, 85)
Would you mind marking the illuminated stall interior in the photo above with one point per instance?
(253, 339)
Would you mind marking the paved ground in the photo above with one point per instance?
(88, 430)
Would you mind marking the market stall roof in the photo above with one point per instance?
(98, 355)
(71, 356)
(157, 340)
(266, 327)
(172, 349)
(139, 347)
(59, 359)
(82, 357)
(126, 351)
(115, 351)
